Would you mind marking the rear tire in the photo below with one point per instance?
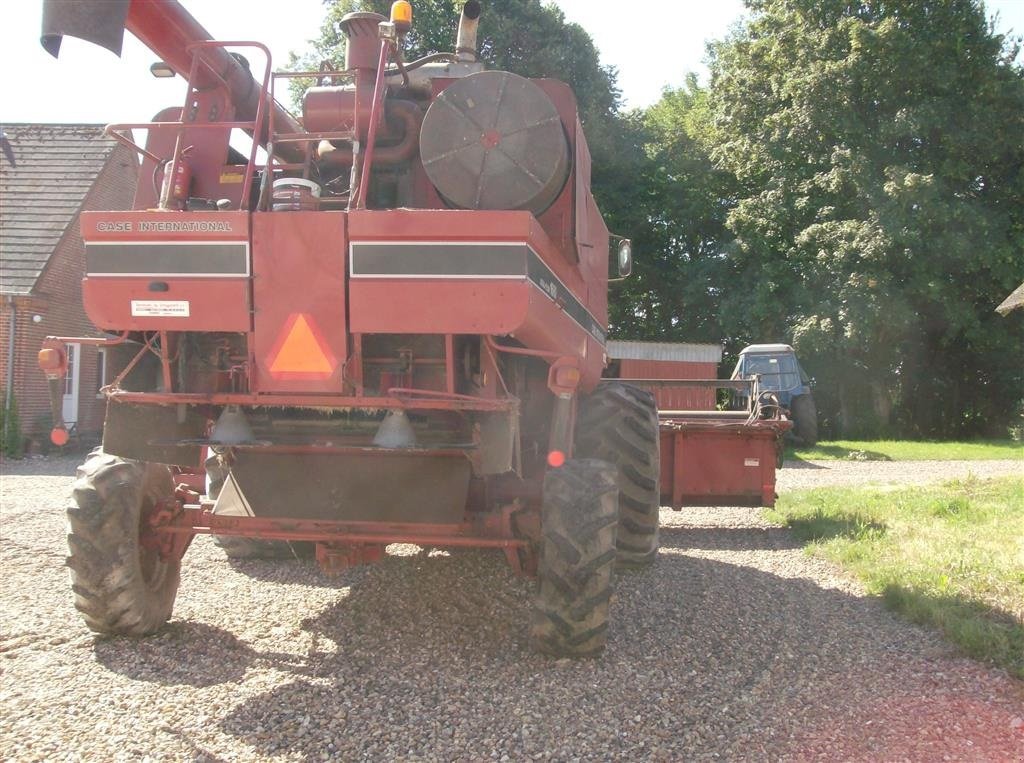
(618, 423)
(577, 559)
(120, 587)
(237, 547)
(805, 419)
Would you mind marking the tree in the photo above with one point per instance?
(521, 36)
(679, 211)
(879, 216)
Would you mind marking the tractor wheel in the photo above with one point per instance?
(805, 419)
(619, 424)
(236, 547)
(579, 517)
(120, 587)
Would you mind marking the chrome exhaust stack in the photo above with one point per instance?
(465, 43)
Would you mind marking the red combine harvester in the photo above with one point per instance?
(384, 324)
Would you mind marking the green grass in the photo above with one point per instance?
(905, 450)
(949, 556)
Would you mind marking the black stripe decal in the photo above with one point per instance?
(214, 258)
(369, 259)
(438, 260)
(542, 276)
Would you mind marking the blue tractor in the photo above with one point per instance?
(781, 374)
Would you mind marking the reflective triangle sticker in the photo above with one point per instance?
(300, 351)
(231, 502)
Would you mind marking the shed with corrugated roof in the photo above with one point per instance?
(668, 360)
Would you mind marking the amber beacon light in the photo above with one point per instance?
(401, 16)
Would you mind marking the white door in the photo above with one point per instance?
(70, 407)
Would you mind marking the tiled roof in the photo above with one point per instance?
(56, 166)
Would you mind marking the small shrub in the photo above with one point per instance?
(13, 444)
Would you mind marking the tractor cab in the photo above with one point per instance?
(780, 372)
(778, 367)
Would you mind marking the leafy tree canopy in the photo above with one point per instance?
(877, 151)
(522, 36)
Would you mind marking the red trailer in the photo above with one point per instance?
(718, 457)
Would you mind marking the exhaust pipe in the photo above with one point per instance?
(465, 43)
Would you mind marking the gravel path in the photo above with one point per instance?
(798, 475)
(735, 645)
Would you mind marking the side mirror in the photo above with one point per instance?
(623, 252)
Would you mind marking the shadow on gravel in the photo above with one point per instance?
(192, 654)
(304, 571)
(980, 629)
(428, 657)
(728, 538)
(844, 454)
(49, 466)
(795, 462)
(182, 653)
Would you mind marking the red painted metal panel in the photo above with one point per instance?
(718, 465)
(498, 307)
(438, 307)
(196, 520)
(674, 399)
(214, 304)
(453, 225)
(441, 225)
(299, 261)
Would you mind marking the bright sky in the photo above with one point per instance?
(89, 84)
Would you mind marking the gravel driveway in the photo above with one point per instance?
(735, 645)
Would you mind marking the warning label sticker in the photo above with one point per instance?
(162, 308)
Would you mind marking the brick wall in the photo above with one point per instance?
(674, 399)
(57, 300)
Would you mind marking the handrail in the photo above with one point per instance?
(116, 130)
(376, 104)
(261, 105)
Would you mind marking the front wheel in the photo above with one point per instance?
(579, 517)
(618, 423)
(805, 419)
(120, 586)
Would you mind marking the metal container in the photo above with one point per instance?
(296, 195)
(719, 463)
(494, 140)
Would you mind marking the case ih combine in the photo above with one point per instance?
(386, 326)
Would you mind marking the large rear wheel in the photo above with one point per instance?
(805, 419)
(618, 423)
(120, 586)
(577, 558)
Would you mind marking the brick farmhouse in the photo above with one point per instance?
(59, 170)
